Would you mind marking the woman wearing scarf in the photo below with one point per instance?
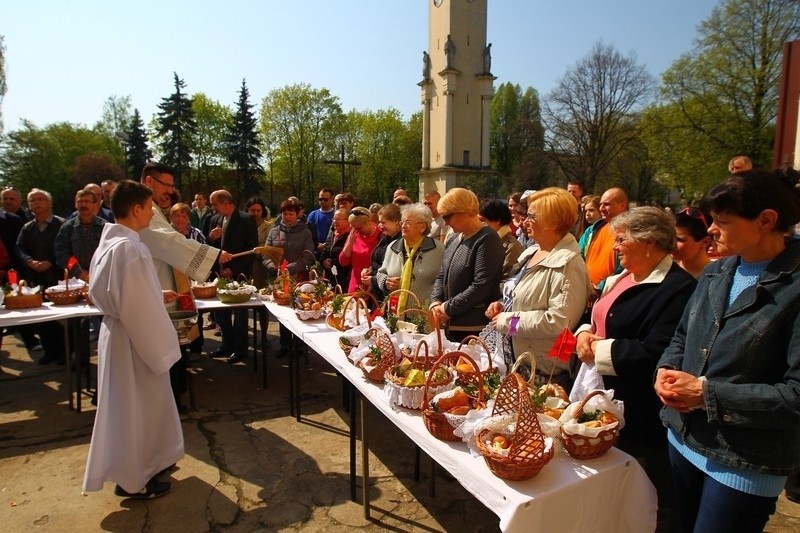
(411, 263)
(357, 253)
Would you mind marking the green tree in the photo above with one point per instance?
(243, 142)
(54, 158)
(176, 127)
(300, 125)
(381, 145)
(137, 152)
(212, 121)
(116, 118)
(505, 142)
(587, 111)
(721, 98)
(517, 142)
(3, 84)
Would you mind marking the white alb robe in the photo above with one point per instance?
(137, 430)
(171, 249)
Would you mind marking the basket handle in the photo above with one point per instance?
(425, 312)
(592, 394)
(359, 303)
(525, 356)
(475, 338)
(441, 362)
(397, 292)
(66, 279)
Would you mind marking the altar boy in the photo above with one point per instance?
(137, 431)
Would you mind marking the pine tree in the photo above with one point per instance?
(137, 153)
(176, 126)
(242, 144)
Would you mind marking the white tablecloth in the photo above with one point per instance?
(611, 493)
(45, 313)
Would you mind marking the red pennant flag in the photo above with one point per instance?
(72, 263)
(564, 346)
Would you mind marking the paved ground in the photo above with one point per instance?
(249, 466)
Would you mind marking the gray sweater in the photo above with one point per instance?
(469, 279)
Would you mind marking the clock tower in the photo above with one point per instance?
(456, 89)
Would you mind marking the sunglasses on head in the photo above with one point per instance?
(696, 214)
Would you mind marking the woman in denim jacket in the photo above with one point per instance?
(730, 379)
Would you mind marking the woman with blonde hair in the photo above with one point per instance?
(549, 291)
(469, 277)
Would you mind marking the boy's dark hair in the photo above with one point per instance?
(155, 169)
(495, 211)
(128, 194)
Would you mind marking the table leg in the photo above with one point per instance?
(255, 339)
(263, 314)
(351, 400)
(417, 453)
(364, 456)
(68, 358)
(291, 377)
(76, 330)
(432, 487)
(295, 355)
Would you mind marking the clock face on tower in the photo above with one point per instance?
(437, 3)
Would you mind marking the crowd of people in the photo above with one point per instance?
(690, 318)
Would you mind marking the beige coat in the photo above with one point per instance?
(549, 297)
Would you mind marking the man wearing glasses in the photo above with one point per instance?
(170, 249)
(323, 217)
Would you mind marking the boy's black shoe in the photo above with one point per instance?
(153, 489)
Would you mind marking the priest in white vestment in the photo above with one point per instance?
(137, 431)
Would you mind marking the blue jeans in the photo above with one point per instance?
(705, 505)
(233, 325)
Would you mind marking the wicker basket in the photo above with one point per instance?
(413, 397)
(279, 294)
(205, 291)
(23, 301)
(86, 295)
(336, 320)
(476, 374)
(388, 355)
(557, 390)
(65, 297)
(437, 423)
(583, 447)
(527, 453)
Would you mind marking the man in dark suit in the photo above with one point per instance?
(236, 232)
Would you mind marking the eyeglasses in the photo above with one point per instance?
(447, 217)
(696, 214)
(531, 217)
(619, 241)
(324, 199)
(167, 185)
(406, 223)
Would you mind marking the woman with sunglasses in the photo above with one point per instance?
(469, 277)
(691, 250)
(357, 253)
(730, 378)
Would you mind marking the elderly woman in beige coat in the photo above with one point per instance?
(551, 288)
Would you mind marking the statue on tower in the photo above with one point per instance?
(487, 59)
(449, 51)
(426, 66)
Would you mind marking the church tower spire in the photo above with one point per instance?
(456, 89)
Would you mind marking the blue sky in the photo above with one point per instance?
(64, 58)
